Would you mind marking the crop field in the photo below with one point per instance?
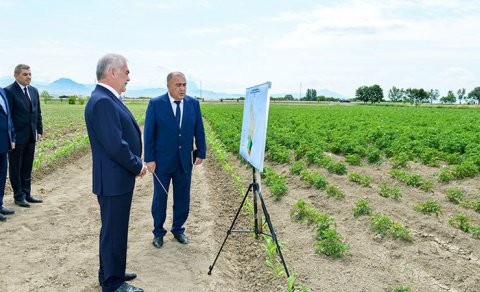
(65, 132)
(363, 198)
(388, 194)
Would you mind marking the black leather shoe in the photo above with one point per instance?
(3, 218)
(128, 288)
(6, 211)
(182, 238)
(130, 276)
(158, 242)
(34, 200)
(22, 203)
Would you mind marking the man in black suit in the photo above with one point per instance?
(7, 142)
(24, 104)
(116, 142)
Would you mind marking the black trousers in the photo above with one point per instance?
(20, 169)
(115, 214)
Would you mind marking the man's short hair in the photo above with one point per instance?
(171, 74)
(20, 67)
(108, 61)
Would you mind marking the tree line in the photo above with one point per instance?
(374, 94)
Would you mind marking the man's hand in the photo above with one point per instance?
(39, 136)
(151, 166)
(143, 171)
(13, 145)
(198, 161)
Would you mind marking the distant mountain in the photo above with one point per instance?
(66, 86)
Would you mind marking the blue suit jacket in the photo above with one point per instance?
(165, 142)
(26, 122)
(115, 139)
(7, 128)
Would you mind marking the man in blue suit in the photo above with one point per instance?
(173, 123)
(115, 139)
(7, 142)
(26, 114)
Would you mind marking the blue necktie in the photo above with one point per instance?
(177, 113)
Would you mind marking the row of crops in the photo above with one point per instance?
(431, 136)
(64, 132)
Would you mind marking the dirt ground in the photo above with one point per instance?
(54, 246)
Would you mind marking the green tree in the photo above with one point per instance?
(450, 98)
(371, 94)
(362, 93)
(461, 94)
(475, 94)
(396, 94)
(376, 93)
(311, 95)
(45, 96)
(72, 99)
(433, 95)
(416, 95)
(289, 97)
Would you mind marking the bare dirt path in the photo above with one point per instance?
(54, 246)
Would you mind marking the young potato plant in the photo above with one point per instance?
(389, 191)
(385, 226)
(429, 207)
(362, 180)
(361, 208)
(329, 242)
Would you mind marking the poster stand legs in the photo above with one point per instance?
(254, 187)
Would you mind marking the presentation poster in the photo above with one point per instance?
(254, 125)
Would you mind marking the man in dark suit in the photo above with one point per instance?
(115, 139)
(172, 122)
(7, 142)
(27, 120)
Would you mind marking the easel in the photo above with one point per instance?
(255, 188)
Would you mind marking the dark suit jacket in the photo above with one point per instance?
(115, 139)
(7, 134)
(164, 141)
(27, 123)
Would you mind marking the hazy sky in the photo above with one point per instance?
(231, 45)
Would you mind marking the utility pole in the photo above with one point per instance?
(300, 93)
(201, 90)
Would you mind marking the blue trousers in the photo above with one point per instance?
(115, 215)
(181, 200)
(3, 176)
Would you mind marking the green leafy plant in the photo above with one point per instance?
(460, 221)
(331, 244)
(297, 167)
(361, 208)
(475, 231)
(353, 159)
(314, 178)
(385, 226)
(389, 191)
(429, 207)
(363, 180)
(446, 175)
(277, 183)
(399, 288)
(455, 196)
(335, 192)
(336, 167)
